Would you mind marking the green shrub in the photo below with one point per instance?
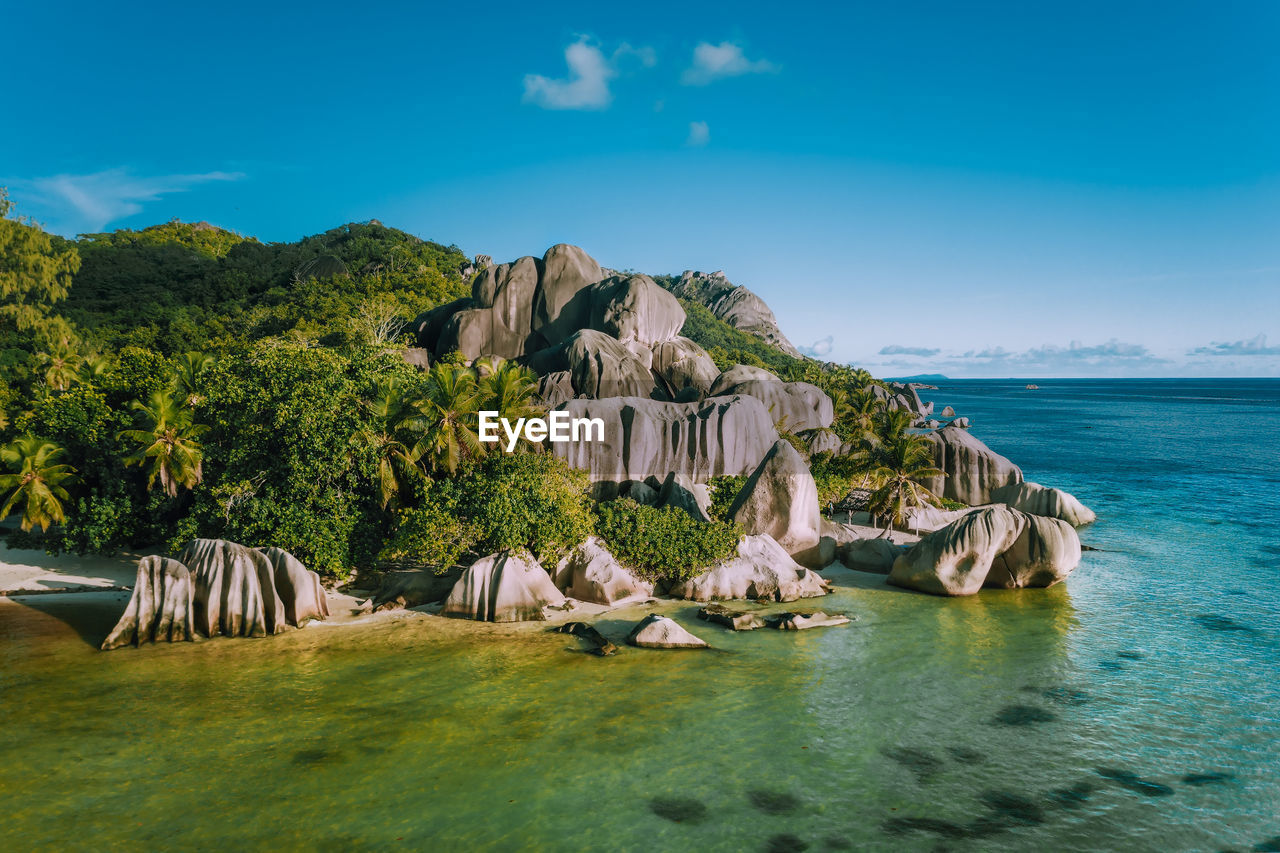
(724, 490)
(521, 500)
(430, 534)
(664, 543)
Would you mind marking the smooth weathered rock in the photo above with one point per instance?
(781, 500)
(736, 620)
(661, 632)
(736, 305)
(235, 593)
(429, 325)
(680, 491)
(1044, 554)
(794, 406)
(761, 570)
(635, 308)
(591, 573)
(803, 621)
(973, 471)
(503, 587)
(562, 306)
(647, 438)
(960, 423)
(161, 608)
(413, 588)
(297, 587)
(683, 364)
(418, 357)
(822, 440)
(948, 412)
(598, 366)
(956, 559)
(556, 387)
(739, 373)
(870, 555)
(1035, 499)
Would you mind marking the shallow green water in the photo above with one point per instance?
(1063, 719)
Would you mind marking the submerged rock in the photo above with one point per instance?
(160, 609)
(661, 632)
(600, 644)
(736, 620)
(1035, 499)
(802, 621)
(503, 587)
(591, 573)
(761, 570)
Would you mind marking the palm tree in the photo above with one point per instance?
(187, 368)
(449, 407)
(92, 369)
(40, 481)
(60, 365)
(396, 417)
(508, 389)
(903, 459)
(168, 438)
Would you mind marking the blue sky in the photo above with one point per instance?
(998, 189)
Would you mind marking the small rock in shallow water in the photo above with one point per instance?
(737, 620)
(786, 843)
(801, 621)
(1113, 665)
(1071, 797)
(944, 828)
(773, 802)
(1271, 845)
(1128, 655)
(600, 644)
(678, 810)
(1066, 696)
(661, 632)
(1195, 780)
(965, 755)
(1134, 783)
(1216, 622)
(1011, 809)
(920, 762)
(1023, 715)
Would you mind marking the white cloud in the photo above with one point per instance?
(699, 134)
(81, 203)
(587, 86)
(895, 349)
(713, 62)
(819, 349)
(1255, 346)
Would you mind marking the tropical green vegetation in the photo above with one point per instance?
(664, 543)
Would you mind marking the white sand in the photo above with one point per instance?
(38, 571)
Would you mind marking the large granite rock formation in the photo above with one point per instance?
(683, 364)
(298, 588)
(591, 573)
(235, 593)
(558, 310)
(218, 587)
(995, 547)
(1035, 499)
(503, 587)
(597, 365)
(794, 406)
(646, 438)
(974, 471)
(1042, 555)
(633, 308)
(661, 632)
(161, 607)
(740, 373)
(734, 304)
(781, 500)
(762, 569)
(870, 555)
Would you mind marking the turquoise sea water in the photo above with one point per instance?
(1136, 707)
